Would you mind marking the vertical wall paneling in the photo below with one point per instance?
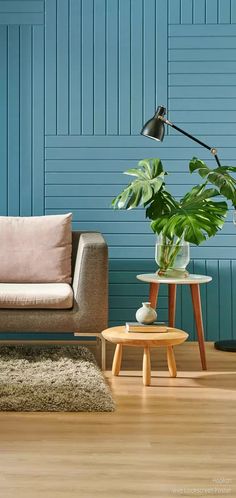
(51, 67)
(186, 12)
(124, 86)
(149, 76)
(233, 308)
(13, 120)
(99, 67)
(112, 67)
(161, 53)
(25, 120)
(233, 12)
(187, 322)
(87, 67)
(199, 11)
(136, 66)
(62, 67)
(213, 303)
(75, 49)
(22, 112)
(38, 121)
(211, 11)
(174, 12)
(224, 11)
(199, 267)
(3, 119)
(225, 299)
(178, 314)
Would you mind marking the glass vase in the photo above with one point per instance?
(172, 257)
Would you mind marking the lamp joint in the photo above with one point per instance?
(214, 151)
(165, 120)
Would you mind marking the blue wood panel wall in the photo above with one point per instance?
(21, 118)
(78, 79)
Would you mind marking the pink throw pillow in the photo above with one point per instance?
(35, 249)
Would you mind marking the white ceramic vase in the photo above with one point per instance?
(146, 314)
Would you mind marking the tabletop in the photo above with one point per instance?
(118, 335)
(191, 279)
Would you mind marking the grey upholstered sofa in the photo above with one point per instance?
(89, 314)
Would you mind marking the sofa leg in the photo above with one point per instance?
(98, 348)
(103, 353)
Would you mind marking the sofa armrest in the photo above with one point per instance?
(90, 282)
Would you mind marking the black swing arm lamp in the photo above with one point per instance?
(155, 129)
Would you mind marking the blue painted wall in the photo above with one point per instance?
(78, 80)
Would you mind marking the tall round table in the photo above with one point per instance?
(194, 282)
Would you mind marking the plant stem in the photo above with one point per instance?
(168, 252)
(176, 248)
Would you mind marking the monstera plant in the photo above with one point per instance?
(192, 219)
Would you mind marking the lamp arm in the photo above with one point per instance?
(213, 150)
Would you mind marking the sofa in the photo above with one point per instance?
(81, 308)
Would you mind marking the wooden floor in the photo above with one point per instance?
(175, 438)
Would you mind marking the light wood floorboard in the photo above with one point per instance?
(174, 438)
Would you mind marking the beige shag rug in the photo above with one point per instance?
(52, 378)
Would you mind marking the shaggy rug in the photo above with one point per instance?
(52, 378)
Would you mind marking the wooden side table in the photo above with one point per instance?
(120, 337)
(194, 282)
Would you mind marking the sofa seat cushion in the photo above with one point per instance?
(44, 296)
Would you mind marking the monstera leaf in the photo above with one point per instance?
(219, 177)
(149, 178)
(163, 203)
(196, 216)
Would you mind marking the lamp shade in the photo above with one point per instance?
(154, 128)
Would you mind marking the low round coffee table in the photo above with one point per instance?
(120, 337)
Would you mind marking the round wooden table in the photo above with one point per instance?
(120, 337)
(194, 282)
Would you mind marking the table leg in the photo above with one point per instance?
(146, 367)
(153, 294)
(117, 360)
(197, 308)
(171, 361)
(171, 304)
